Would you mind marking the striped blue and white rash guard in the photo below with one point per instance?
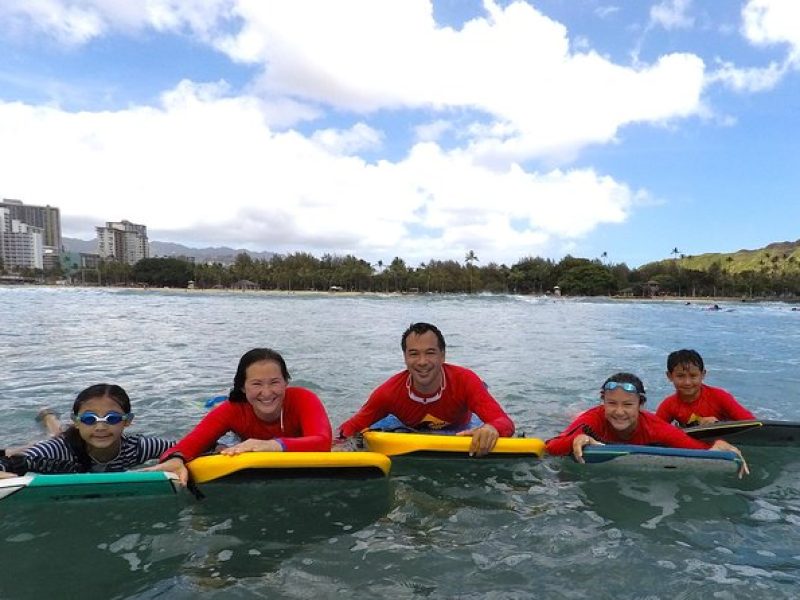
(57, 456)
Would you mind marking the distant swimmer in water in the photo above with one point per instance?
(695, 403)
(715, 307)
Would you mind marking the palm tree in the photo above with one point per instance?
(675, 252)
(469, 259)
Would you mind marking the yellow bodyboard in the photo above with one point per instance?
(395, 444)
(215, 466)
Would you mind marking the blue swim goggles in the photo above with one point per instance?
(628, 387)
(112, 418)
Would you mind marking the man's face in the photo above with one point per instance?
(424, 361)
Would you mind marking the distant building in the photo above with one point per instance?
(123, 241)
(21, 244)
(30, 236)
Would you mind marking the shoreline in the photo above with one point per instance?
(686, 300)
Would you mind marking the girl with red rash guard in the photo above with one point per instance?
(263, 411)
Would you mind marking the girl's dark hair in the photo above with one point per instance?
(627, 378)
(73, 437)
(248, 358)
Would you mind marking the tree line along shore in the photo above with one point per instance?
(570, 276)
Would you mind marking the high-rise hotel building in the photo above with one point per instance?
(30, 236)
(123, 241)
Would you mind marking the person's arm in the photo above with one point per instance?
(215, 424)
(563, 443)
(664, 411)
(172, 462)
(55, 448)
(483, 404)
(374, 409)
(670, 436)
(732, 410)
(725, 446)
(150, 447)
(314, 423)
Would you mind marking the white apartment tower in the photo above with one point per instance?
(123, 241)
(21, 245)
(30, 236)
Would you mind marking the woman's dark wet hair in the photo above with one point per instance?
(626, 378)
(72, 436)
(248, 358)
(419, 329)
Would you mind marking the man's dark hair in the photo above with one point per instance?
(419, 329)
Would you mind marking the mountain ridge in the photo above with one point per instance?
(223, 254)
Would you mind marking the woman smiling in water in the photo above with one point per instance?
(263, 410)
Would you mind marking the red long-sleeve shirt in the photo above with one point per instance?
(711, 402)
(650, 431)
(464, 393)
(303, 427)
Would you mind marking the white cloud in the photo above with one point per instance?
(349, 141)
(606, 11)
(755, 79)
(509, 88)
(207, 165)
(764, 23)
(513, 66)
(768, 22)
(76, 22)
(672, 14)
(430, 132)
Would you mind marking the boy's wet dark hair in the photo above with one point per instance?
(419, 329)
(627, 378)
(248, 358)
(684, 357)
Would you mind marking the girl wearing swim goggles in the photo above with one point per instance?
(96, 441)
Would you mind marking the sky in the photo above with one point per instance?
(616, 130)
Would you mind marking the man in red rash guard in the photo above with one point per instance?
(431, 393)
(620, 420)
(695, 403)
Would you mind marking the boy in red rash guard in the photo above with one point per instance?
(433, 394)
(620, 420)
(695, 403)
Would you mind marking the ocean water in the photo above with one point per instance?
(433, 529)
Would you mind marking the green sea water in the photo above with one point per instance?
(434, 528)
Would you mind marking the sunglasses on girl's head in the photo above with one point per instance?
(90, 418)
(628, 387)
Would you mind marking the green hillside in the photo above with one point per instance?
(775, 259)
